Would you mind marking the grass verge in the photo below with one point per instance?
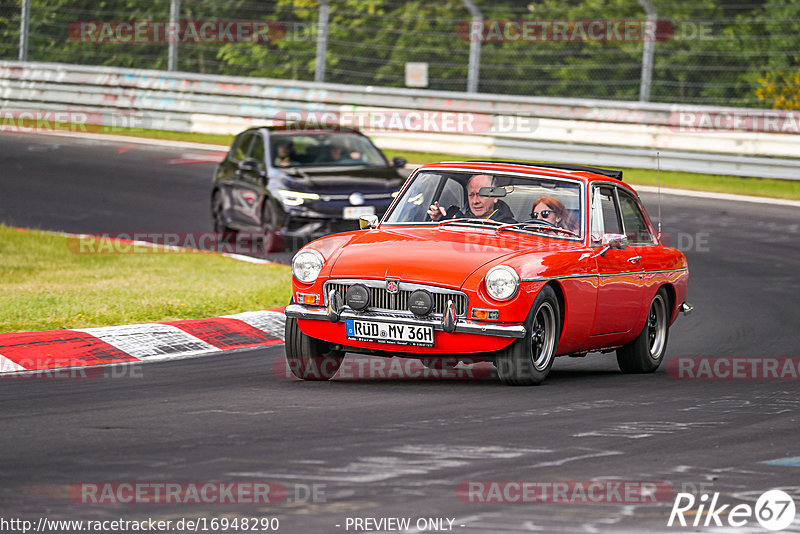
(46, 286)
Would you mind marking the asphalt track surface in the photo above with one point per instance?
(399, 447)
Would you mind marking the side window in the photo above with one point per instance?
(633, 221)
(241, 146)
(604, 213)
(257, 151)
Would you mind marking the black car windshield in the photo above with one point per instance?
(307, 149)
(547, 205)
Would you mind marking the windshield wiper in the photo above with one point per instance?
(468, 220)
(538, 225)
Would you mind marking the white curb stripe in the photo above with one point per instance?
(146, 341)
(273, 323)
(9, 366)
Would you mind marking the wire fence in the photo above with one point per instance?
(714, 52)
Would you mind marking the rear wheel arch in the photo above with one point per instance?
(671, 296)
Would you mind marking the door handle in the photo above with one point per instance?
(634, 259)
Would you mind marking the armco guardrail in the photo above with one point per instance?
(628, 134)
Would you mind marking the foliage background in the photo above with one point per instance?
(723, 52)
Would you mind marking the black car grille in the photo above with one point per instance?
(381, 299)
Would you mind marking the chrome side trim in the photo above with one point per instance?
(296, 311)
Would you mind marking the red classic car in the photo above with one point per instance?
(514, 263)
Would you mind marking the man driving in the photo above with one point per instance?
(480, 207)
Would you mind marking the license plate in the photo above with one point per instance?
(401, 334)
(354, 212)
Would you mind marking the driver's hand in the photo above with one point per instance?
(436, 212)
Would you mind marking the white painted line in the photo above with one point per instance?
(717, 196)
(273, 323)
(248, 259)
(150, 340)
(9, 366)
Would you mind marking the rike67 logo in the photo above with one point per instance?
(774, 510)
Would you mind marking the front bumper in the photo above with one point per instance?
(297, 311)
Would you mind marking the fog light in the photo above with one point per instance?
(308, 298)
(357, 297)
(420, 302)
(486, 315)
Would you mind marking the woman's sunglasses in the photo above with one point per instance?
(544, 213)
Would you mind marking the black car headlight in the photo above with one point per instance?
(296, 198)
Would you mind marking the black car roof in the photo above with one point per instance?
(300, 127)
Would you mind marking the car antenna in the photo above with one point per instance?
(658, 165)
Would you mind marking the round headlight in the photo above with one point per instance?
(420, 302)
(357, 297)
(502, 282)
(307, 264)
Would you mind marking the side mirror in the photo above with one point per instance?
(615, 241)
(399, 162)
(248, 165)
(368, 221)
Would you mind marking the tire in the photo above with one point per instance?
(269, 226)
(223, 232)
(528, 360)
(309, 358)
(645, 353)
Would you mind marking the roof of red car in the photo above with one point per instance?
(561, 170)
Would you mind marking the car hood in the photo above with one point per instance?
(443, 256)
(347, 179)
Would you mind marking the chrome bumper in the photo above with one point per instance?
(297, 311)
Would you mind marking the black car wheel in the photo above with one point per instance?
(309, 358)
(527, 361)
(645, 353)
(269, 226)
(218, 218)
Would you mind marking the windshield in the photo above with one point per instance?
(306, 149)
(546, 205)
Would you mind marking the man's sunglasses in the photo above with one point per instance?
(544, 213)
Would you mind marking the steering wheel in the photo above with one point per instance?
(543, 222)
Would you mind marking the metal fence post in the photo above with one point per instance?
(649, 50)
(23, 30)
(174, 15)
(322, 41)
(473, 70)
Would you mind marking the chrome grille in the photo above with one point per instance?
(381, 299)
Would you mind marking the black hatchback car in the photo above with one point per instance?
(292, 184)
